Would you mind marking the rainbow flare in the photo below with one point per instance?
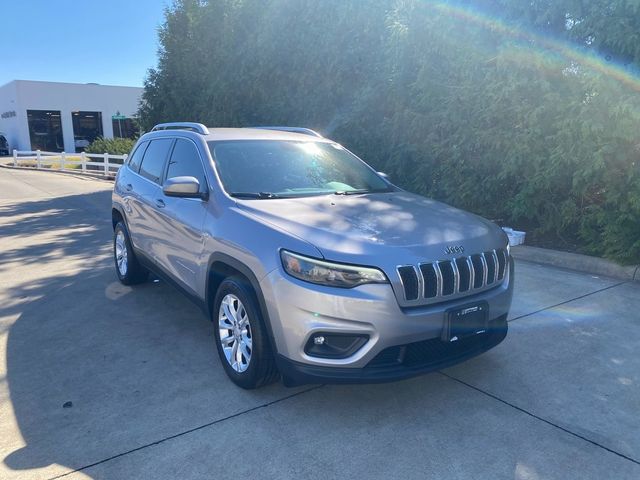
(542, 44)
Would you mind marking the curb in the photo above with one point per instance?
(577, 262)
(93, 176)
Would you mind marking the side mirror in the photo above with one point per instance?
(383, 175)
(185, 187)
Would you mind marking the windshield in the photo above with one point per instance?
(275, 168)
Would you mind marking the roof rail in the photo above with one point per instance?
(191, 126)
(302, 130)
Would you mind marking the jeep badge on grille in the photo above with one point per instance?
(454, 249)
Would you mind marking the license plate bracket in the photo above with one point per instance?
(465, 321)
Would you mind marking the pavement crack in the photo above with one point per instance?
(186, 432)
(567, 301)
(539, 418)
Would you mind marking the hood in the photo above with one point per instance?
(398, 226)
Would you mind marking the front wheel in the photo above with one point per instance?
(241, 336)
(128, 268)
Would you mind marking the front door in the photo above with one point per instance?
(180, 220)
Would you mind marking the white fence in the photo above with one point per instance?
(102, 163)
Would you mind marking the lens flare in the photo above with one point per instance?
(547, 46)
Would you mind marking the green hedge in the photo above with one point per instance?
(114, 146)
(451, 103)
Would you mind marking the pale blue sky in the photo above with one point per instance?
(112, 42)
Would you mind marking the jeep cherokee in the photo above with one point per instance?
(311, 265)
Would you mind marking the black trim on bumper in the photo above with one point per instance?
(397, 363)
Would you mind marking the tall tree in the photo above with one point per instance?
(491, 105)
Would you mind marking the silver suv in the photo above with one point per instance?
(311, 265)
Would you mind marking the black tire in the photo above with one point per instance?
(133, 272)
(261, 369)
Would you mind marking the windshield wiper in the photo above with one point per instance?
(254, 195)
(351, 192)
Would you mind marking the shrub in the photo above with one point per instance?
(114, 146)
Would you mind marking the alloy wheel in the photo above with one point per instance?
(121, 253)
(235, 332)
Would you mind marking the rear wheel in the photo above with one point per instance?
(241, 336)
(128, 268)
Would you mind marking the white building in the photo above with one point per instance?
(56, 117)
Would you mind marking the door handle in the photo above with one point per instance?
(128, 187)
(160, 203)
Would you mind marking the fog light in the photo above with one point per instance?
(334, 345)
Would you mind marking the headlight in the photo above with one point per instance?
(328, 273)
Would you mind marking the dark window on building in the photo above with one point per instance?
(87, 126)
(154, 158)
(185, 162)
(45, 130)
(124, 128)
(136, 158)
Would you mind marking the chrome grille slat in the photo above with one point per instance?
(484, 269)
(420, 281)
(439, 277)
(472, 273)
(456, 277)
(502, 264)
(464, 272)
(495, 262)
(478, 267)
(491, 267)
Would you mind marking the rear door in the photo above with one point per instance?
(180, 220)
(126, 187)
(143, 220)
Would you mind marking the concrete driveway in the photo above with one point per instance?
(98, 380)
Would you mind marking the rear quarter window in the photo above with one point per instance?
(136, 157)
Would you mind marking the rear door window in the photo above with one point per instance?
(154, 158)
(185, 162)
(136, 158)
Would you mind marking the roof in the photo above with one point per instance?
(258, 134)
(219, 134)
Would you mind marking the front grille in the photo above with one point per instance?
(449, 277)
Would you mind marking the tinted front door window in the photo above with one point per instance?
(185, 162)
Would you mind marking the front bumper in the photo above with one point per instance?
(399, 362)
(298, 310)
